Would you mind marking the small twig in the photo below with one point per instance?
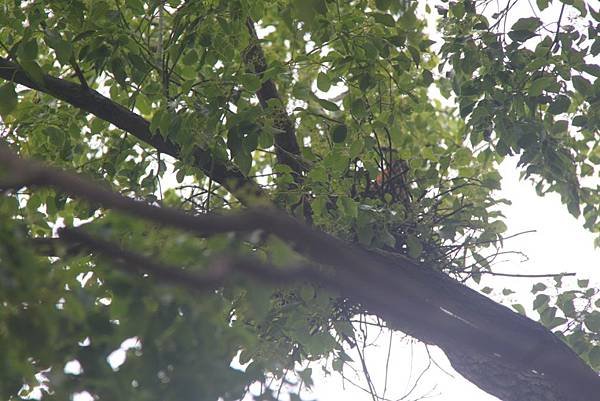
(387, 363)
(437, 364)
(555, 41)
(526, 275)
(418, 379)
(79, 73)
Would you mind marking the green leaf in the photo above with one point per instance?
(427, 77)
(521, 36)
(498, 227)
(592, 321)
(156, 118)
(541, 301)
(190, 58)
(250, 141)
(592, 69)
(582, 85)
(55, 136)
(519, 308)
(323, 82)
(97, 125)
(63, 48)
(307, 292)
(414, 245)
(555, 322)
(349, 206)
(594, 357)
(338, 365)
(560, 105)
(580, 5)
(180, 175)
(327, 105)
(408, 21)
(306, 376)
(579, 121)
(28, 50)
(339, 133)
(559, 127)
(415, 54)
(366, 81)
(540, 85)
(384, 19)
(359, 108)
(365, 233)
(251, 82)
(542, 4)
(526, 24)
(244, 162)
(458, 10)
(143, 104)
(136, 5)
(319, 344)
(383, 5)
(118, 70)
(307, 10)
(8, 99)
(33, 71)
(462, 157)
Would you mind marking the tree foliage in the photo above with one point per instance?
(253, 174)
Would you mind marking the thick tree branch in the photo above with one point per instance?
(477, 334)
(31, 173)
(286, 143)
(102, 107)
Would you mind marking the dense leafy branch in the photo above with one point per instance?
(93, 102)
(412, 297)
(222, 268)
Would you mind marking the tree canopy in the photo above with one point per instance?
(235, 180)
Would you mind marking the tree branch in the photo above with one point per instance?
(286, 144)
(89, 100)
(474, 331)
